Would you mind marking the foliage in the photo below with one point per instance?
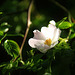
(59, 60)
(12, 48)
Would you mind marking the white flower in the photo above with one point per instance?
(46, 39)
(52, 22)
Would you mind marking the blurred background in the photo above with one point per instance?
(14, 12)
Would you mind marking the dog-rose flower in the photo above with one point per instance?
(46, 39)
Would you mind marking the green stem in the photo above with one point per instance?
(61, 6)
(69, 18)
(16, 35)
(65, 9)
(50, 69)
(69, 34)
(4, 37)
(12, 35)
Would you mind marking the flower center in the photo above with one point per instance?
(48, 42)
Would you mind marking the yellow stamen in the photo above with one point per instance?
(48, 42)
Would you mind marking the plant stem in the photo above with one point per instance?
(61, 6)
(11, 35)
(50, 69)
(15, 35)
(15, 58)
(69, 34)
(65, 9)
(4, 37)
(28, 26)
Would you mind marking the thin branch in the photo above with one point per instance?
(69, 34)
(11, 35)
(15, 58)
(21, 35)
(64, 8)
(61, 6)
(28, 26)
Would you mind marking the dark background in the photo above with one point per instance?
(15, 14)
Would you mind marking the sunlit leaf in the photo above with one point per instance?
(1, 33)
(12, 48)
(47, 74)
(73, 27)
(4, 27)
(61, 21)
(1, 12)
(0, 41)
(64, 25)
(72, 36)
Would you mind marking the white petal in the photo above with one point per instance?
(48, 31)
(52, 45)
(38, 35)
(56, 35)
(39, 44)
(43, 48)
(33, 42)
(52, 22)
(45, 31)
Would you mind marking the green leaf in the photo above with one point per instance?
(72, 36)
(1, 12)
(0, 41)
(47, 74)
(1, 33)
(12, 48)
(73, 27)
(61, 21)
(7, 68)
(64, 25)
(4, 27)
